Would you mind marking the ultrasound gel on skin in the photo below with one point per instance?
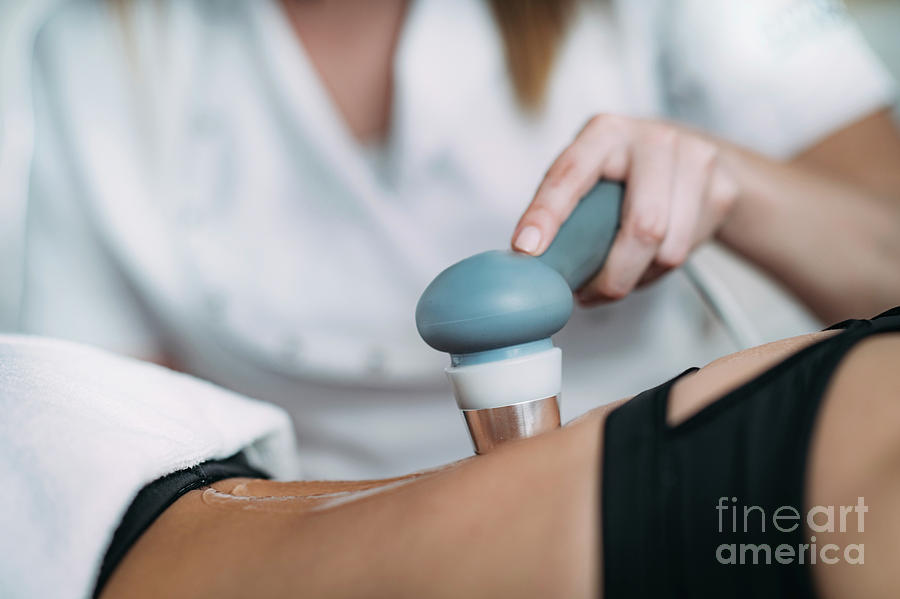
(495, 312)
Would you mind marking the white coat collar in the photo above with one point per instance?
(448, 56)
(448, 53)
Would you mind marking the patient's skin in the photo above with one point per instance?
(302, 496)
(519, 522)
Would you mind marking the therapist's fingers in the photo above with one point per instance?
(645, 217)
(702, 196)
(721, 196)
(695, 161)
(600, 150)
(652, 274)
(693, 166)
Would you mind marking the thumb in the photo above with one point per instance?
(569, 178)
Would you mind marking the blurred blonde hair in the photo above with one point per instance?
(532, 31)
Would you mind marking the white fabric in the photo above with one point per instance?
(82, 431)
(193, 190)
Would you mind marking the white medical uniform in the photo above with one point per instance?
(178, 181)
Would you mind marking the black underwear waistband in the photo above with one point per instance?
(153, 499)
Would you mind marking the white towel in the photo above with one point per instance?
(81, 431)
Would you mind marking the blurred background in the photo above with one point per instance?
(880, 22)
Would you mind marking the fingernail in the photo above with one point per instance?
(528, 240)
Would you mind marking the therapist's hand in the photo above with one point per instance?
(678, 193)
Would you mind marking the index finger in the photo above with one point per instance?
(600, 150)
